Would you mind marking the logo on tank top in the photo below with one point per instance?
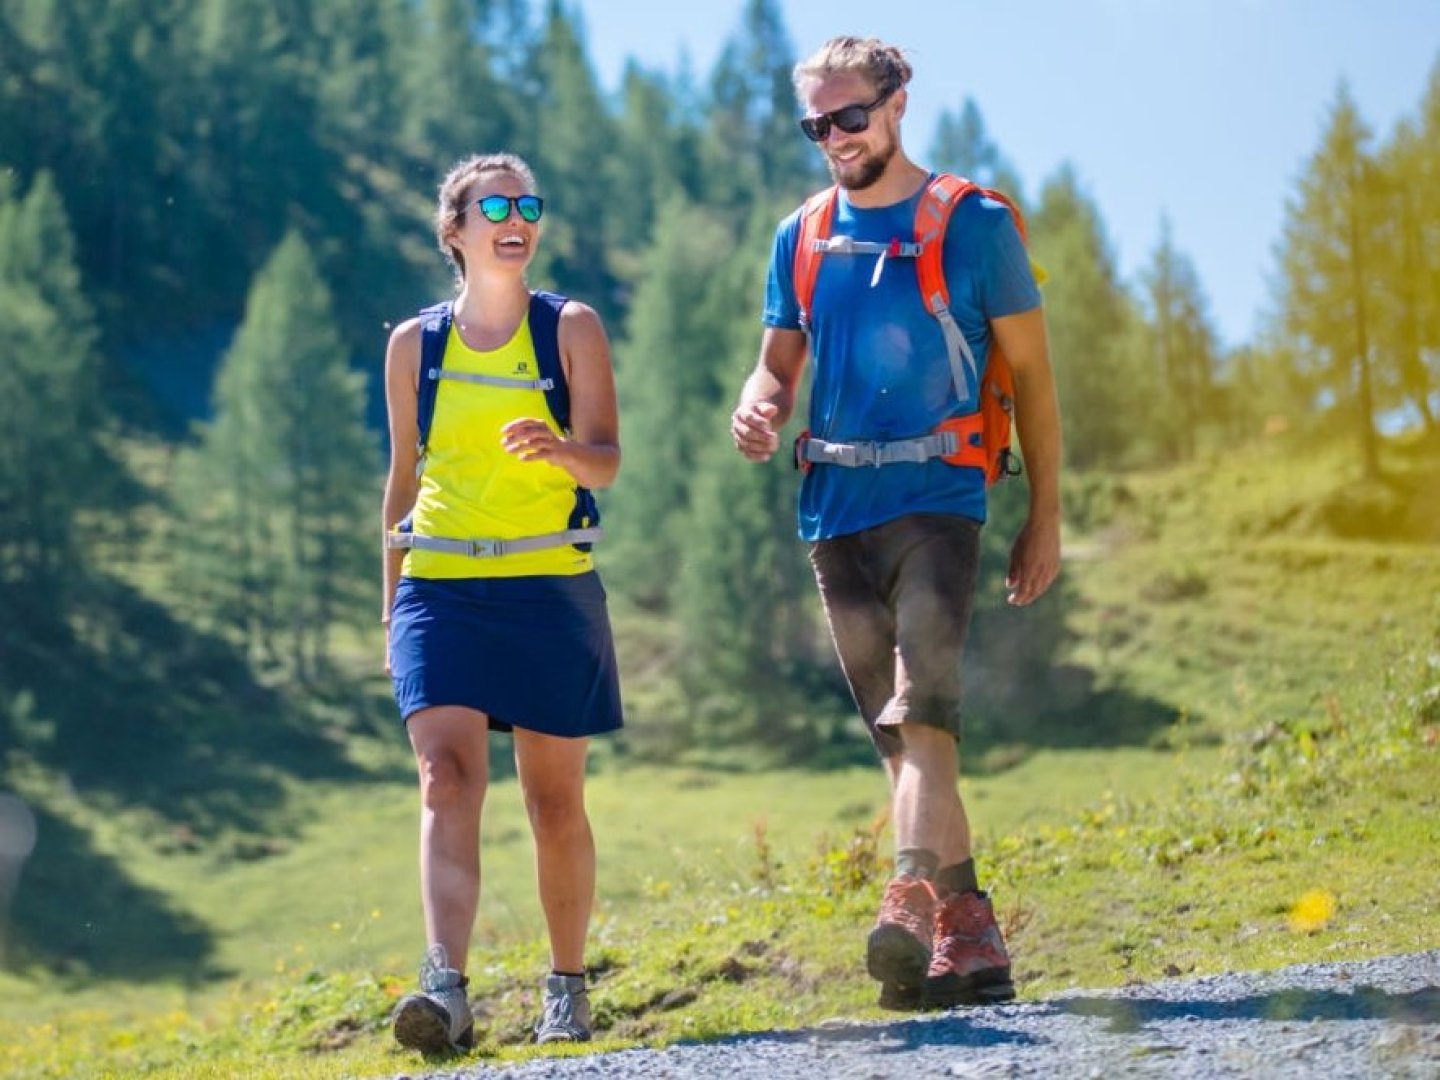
(522, 368)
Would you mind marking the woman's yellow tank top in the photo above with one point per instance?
(472, 489)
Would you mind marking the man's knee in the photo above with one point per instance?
(928, 748)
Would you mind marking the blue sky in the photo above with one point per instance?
(1205, 110)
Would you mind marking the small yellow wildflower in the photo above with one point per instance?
(1312, 911)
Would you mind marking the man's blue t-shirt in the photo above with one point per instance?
(880, 366)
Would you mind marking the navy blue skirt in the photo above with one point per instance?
(531, 652)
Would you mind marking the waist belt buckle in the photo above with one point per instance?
(485, 549)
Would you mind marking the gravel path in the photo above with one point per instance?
(1376, 1018)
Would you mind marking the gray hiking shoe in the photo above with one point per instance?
(438, 1018)
(567, 1010)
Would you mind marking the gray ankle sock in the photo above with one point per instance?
(958, 878)
(916, 862)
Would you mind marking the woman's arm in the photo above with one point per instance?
(402, 375)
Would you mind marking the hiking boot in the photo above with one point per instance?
(968, 963)
(567, 1010)
(900, 998)
(438, 1018)
(897, 952)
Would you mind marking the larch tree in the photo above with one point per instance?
(277, 496)
(1327, 259)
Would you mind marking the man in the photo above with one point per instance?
(895, 547)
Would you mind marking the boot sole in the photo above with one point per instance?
(898, 998)
(896, 958)
(991, 986)
(422, 1025)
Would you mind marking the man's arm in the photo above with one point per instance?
(768, 397)
(1035, 555)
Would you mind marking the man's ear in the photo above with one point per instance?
(902, 98)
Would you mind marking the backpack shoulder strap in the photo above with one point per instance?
(932, 218)
(545, 308)
(816, 218)
(434, 332)
(545, 337)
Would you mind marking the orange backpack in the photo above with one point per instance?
(981, 439)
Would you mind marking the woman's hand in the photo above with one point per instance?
(531, 439)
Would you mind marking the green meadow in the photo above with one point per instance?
(1284, 616)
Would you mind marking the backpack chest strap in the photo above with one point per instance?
(846, 245)
(504, 381)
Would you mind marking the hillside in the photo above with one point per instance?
(250, 910)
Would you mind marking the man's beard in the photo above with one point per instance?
(866, 171)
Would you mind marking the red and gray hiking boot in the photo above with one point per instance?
(898, 950)
(968, 961)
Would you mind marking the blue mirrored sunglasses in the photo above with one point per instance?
(496, 208)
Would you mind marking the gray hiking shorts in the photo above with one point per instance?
(898, 599)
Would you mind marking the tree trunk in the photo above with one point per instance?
(1369, 448)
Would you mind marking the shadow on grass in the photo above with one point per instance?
(149, 711)
(78, 914)
(124, 707)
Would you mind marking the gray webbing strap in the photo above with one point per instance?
(957, 350)
(859, 454)
(846, 245)
(503, 381)
(494, 380)
(489, 549)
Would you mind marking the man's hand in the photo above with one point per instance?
(1034, 561)
(752, 428)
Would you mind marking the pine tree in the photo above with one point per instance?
(576, 134)
(752, 147)
(363, 70)
(648, 166)
(963, 146)
(757, 666)
(668, 381)
(52, 465)
(1406, 275)
(276, 496)
(1089, 315)
(1327, 257)
(1183, 344)
(459, 103)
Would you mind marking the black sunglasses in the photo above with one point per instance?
(496, 208)
(852, 119)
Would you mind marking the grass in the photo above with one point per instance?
(1289, 815)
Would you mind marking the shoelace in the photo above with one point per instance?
(898, 907)
(959, 924)
(435, 970)
(560, 1014)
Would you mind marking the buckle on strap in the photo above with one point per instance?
(484, 549)
(948, 442)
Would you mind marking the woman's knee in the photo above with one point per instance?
(448, 781)
(557, 812)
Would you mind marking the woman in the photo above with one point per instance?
(496, 617)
